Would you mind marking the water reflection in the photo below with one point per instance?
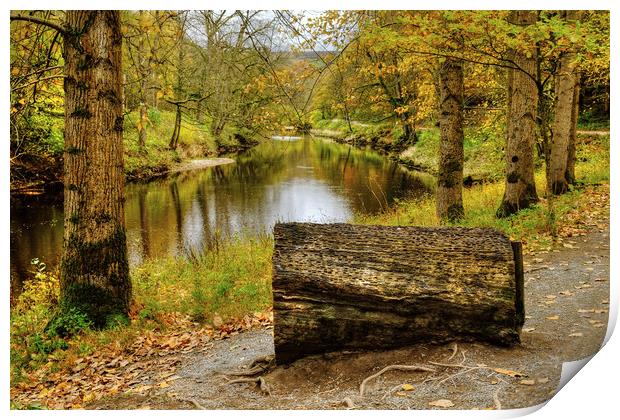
(303, 180)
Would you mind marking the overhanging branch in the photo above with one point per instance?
(40, 21)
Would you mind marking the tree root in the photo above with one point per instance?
(393, 367)
(194, 402)
(260, 381)
(258, 367)
(498, 403)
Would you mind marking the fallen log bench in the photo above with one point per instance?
(341, 286)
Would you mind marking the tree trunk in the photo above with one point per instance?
(562, 120)
(144, 70)
(339, 286)
(450, 178)
(572, 140)
(520, 187)
(174, 140)
(143, 121)
(94, 268)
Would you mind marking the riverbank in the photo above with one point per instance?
(483, 146)
(39, 171)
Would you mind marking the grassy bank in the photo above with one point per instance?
(40, 161)
(482, 145)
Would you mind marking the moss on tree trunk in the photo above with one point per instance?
(94, 267)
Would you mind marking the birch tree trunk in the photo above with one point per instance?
(94, 268)
(520, 187)
(450, 179)
(562, 120)
(572, 140)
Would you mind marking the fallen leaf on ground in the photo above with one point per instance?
(527, 382)
(441, 403)
(408, 387)
(578, 334)
(512, 373)
(527, 330)
(553, 318)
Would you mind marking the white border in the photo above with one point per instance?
(592, 395)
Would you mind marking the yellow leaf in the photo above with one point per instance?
(408, 387)
(553, 318)
(164, 384)
(509, 373)
(88, 397)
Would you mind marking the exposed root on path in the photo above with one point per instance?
(258, 367)
(393, 367)
(193, 402)
(260, 381)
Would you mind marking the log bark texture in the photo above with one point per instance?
(340, 286)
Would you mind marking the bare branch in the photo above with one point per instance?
(40, 21)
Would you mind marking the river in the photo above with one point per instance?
(308, 179)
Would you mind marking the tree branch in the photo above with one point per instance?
(25, 85)
(40, 21)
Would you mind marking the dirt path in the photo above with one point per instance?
(567, 300)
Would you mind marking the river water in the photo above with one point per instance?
(285, 180)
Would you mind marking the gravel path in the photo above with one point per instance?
(567, 299)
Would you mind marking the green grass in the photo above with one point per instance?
(231, 281)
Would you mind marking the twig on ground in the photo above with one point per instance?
(258, 366)
(264, 386)
(393, 367)
(460, 373)
(194, 402)
(250, 372)
(243, 380)
(498, 403)
(397, 387)
(260, 381)
(455, 349)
